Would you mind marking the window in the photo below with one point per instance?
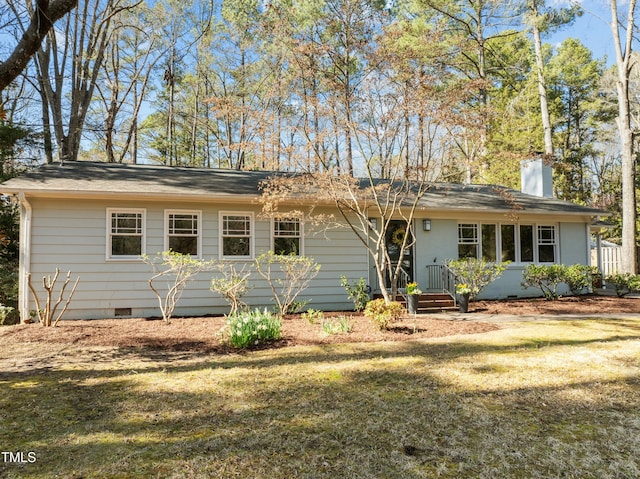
(467, 241)
(236, 235)
(489, 243)
(517, 243)
(546, 244)
(126, 233)
(287, 236)
(183, 232)
(526, 243)
(508, 242)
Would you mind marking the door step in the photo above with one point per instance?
(429, 302)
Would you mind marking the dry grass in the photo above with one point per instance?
(533, 400)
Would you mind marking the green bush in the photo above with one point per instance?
(358, 293)
(544, 277)
(579, 277)
(250, 328)
(383, 314)
(5, 311)
(474, 274)
(624, 283)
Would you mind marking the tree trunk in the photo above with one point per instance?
(623, 60)
(542, 85)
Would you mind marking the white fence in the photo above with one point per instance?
(611, 259)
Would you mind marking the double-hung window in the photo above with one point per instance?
(183, 231)
(125, 233)
(518, 243)
(236, 235)
(546, 244)
(287, 236)
(468, 240)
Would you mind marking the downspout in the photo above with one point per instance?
(25, 257)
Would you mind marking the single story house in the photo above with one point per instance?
(97, 219)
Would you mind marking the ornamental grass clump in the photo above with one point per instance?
(248, 329)
(383, 313)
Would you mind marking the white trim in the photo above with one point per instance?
(517, 238)
(197, 213)
(26, 216)
(109, 234)
(285, 219)
(252, 234)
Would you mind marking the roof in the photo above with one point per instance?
(88, 179)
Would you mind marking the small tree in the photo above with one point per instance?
(46, 314)
(232, 285)
(178, 269)
(287, 275)
(474, 274)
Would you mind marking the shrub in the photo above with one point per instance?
(46, 315)
(624, 283)
(287, 275)
(177, 269)
(5, 311)
(250, 328)
(544, 277)
(579, 277)
(314, 316)
(340, 325)
(474, 274)
(358, 292)
(383, 314)
(297, 305)
(232, 285)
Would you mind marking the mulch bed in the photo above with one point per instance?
(202, 334)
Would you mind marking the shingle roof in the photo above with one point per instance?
(94, 179)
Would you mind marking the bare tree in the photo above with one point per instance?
(68, 67)
(132, 54)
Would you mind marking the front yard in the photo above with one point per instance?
(528, 400)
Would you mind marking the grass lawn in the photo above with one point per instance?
(555, 399)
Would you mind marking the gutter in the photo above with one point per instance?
(25, 257)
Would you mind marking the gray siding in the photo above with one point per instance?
(72, 235)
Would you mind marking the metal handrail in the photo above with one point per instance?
(403, 280)
(441, 278)
(449, 282)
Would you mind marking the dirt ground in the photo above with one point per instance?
(202, 334)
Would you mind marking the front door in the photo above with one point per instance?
(395, 236)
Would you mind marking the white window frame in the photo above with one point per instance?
(251, 236)
(198, 235)
(474, 241)
(537, 242)
(143, 234)
(543, 242)
(300, 235)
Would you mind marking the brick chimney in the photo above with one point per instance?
(536, 178)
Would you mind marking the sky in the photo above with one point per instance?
(592, 29)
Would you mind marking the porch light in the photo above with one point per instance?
(426, 225)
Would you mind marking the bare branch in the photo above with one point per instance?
(45, 15)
